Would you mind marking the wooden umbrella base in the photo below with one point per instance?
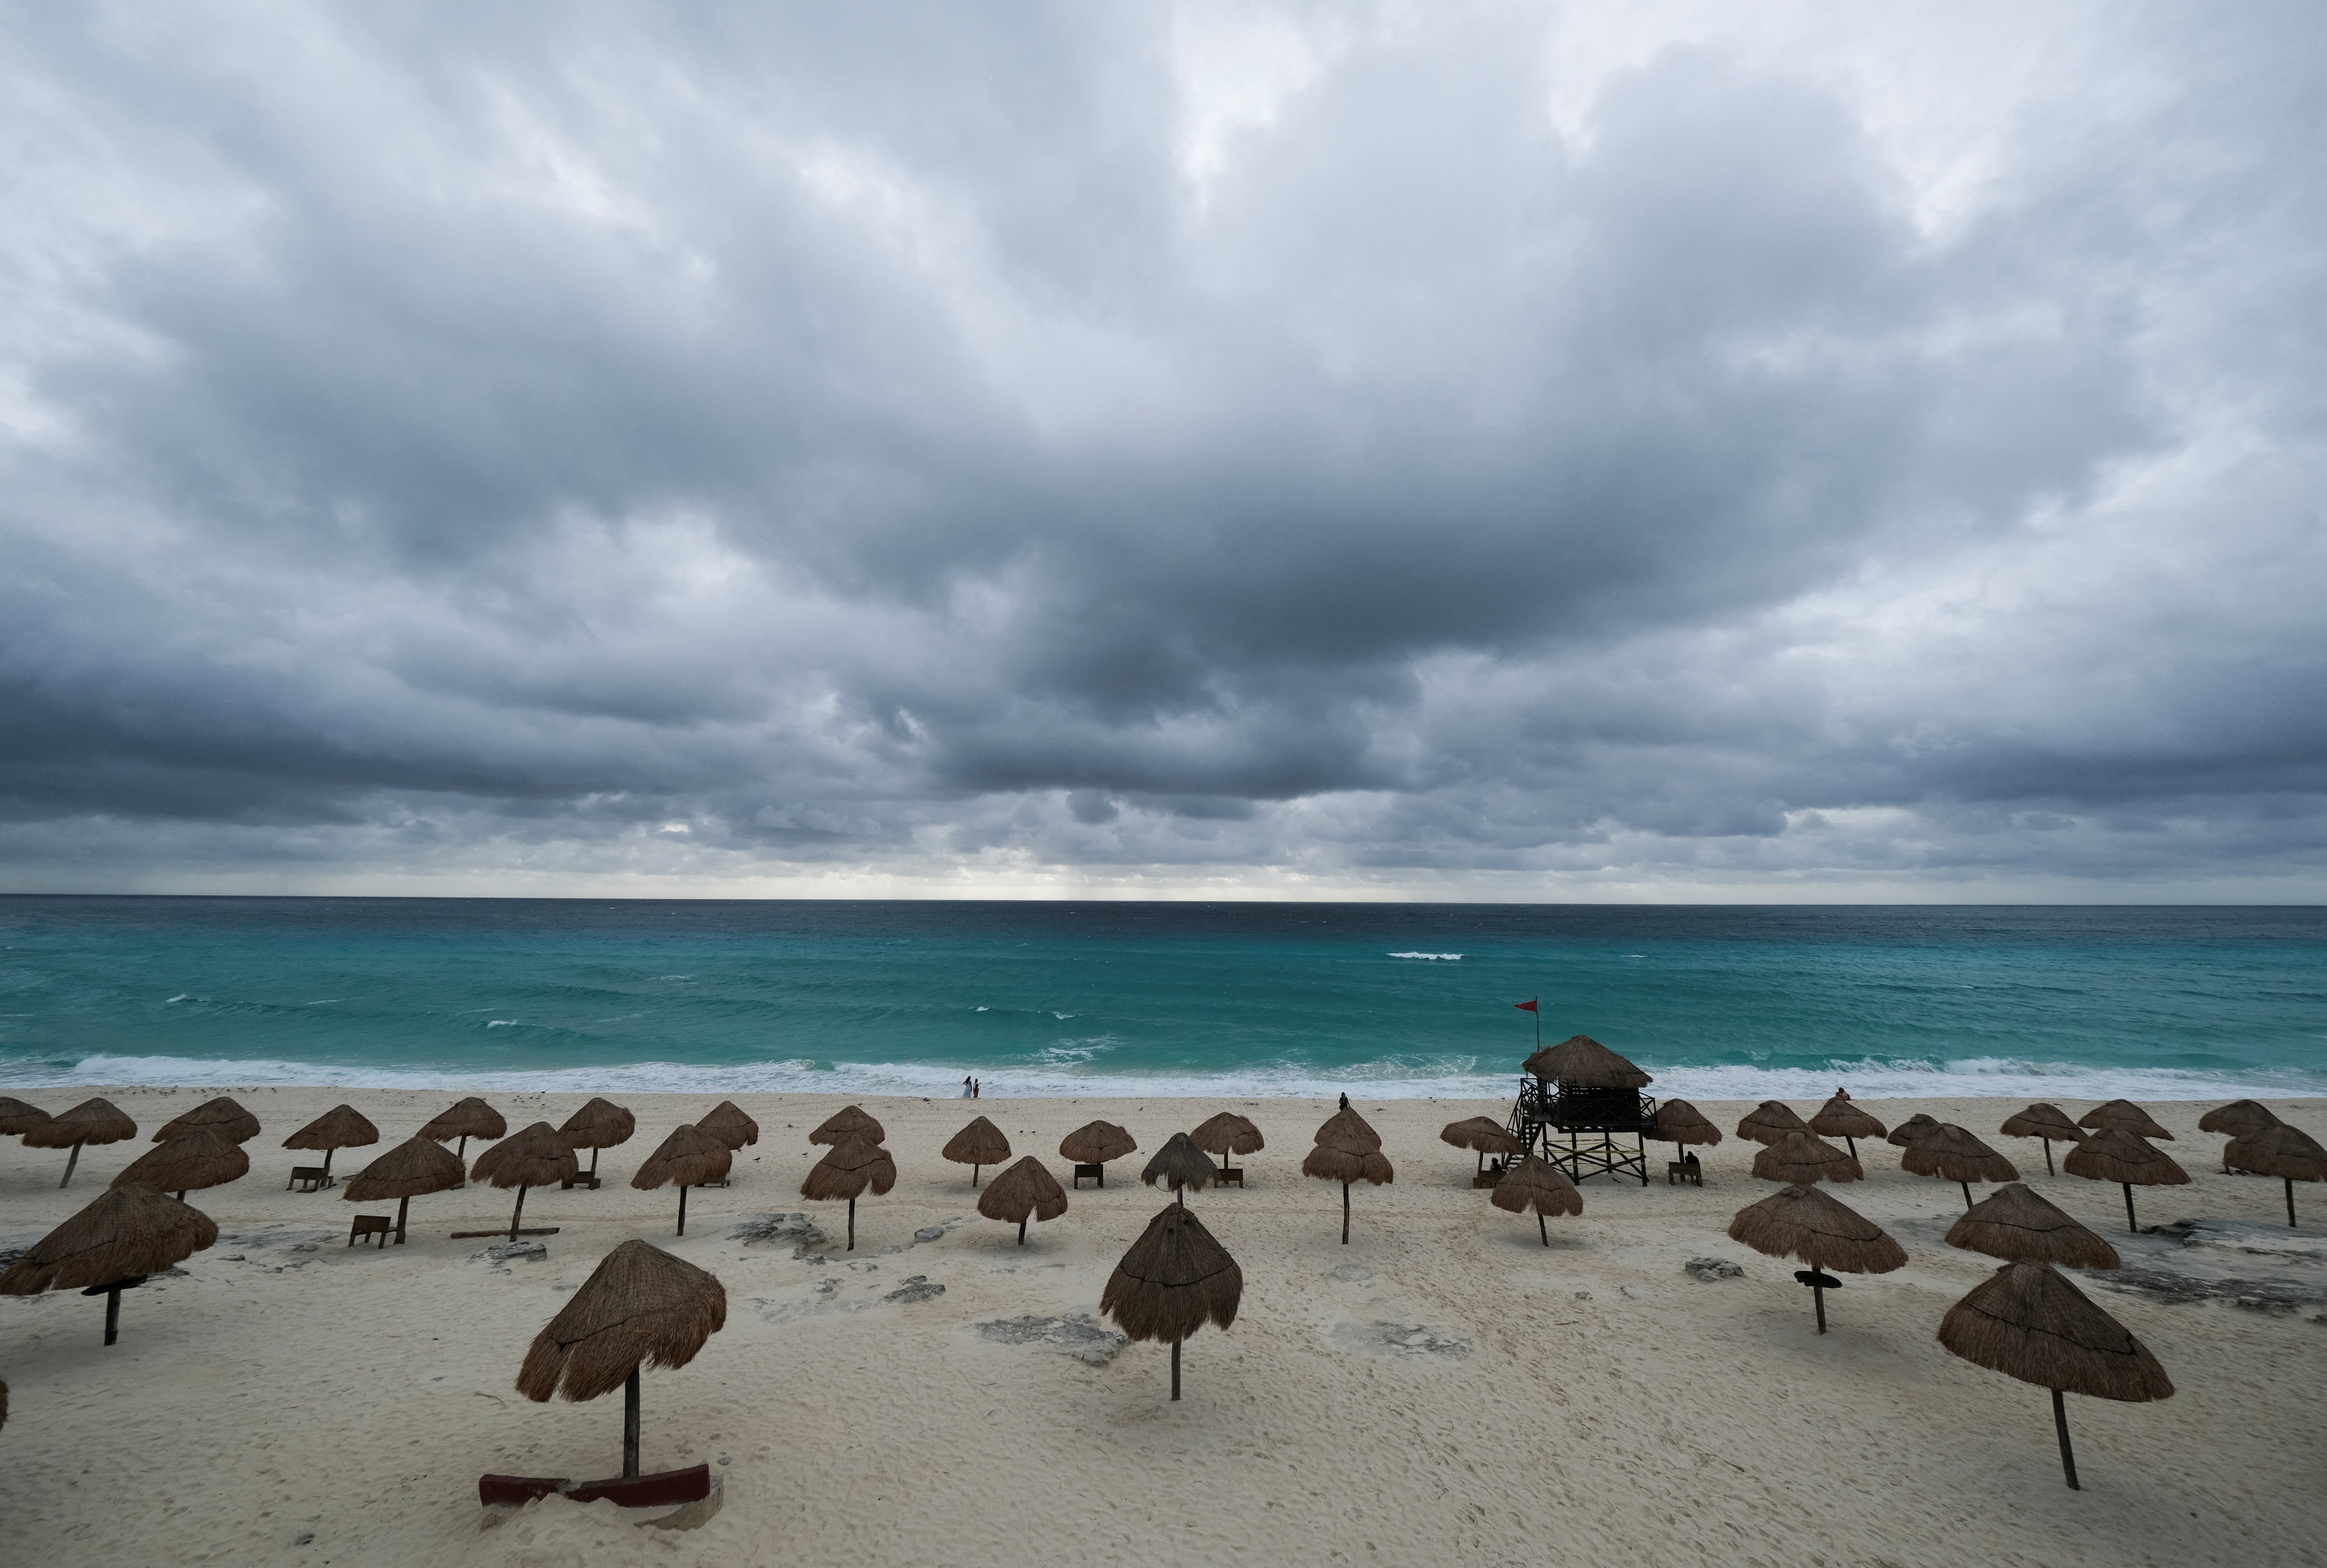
(691, 1496)
(503, 1232)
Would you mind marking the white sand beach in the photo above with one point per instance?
(1442, 1390)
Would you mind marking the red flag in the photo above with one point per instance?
(1525, 1006)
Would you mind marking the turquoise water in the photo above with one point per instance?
(1382, 1000)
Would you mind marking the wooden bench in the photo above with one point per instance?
(1230, 1177)
(584, 1180)
(378, 1225)
(659, 1489)
(1684, 1170)
(307, 1178)
(1095, 1172)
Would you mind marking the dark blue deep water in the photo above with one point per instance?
(1157, 998)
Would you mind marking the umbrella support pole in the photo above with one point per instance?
(70, 1163)
(113, 1314)
(630, 1420)
(1022, 1232)
(852, 1224)
(1345, 1214)
(1850, 1143)
(1175, 1369)
(2290, 1201)
(1818, 1299)
(516, 1212)
(403, 1207)
(1967, 1187)
(594, 1161)
(1542, 1230)
(2067, 1454)
(682, 1210)
(2130, 1223)
(2048, 1154)
(462, 1153)
(327, 1165)
(973, 1178)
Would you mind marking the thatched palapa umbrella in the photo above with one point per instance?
(2028, 1322)
(1174, 1279)
(1770, 1121)
(1916, 1126)
(977, 1145)
(2238, 1119)
(1178, 1164)
(2014, 1224)
(1094, 1144)
(98, 1121)
(1839, 1118)
(1027, 1190)
(846, 1171)
(1802, 1158)
(221, 1115)
(468, 1118)
(2278, 1150)
(418, 1165)
(846, 1123)
(1537, 1183)
(2126, 1115)
(1954, 1154)
(1347, 1151)
(691, 1157)
(110, 1246)
(728, 1123)
(1679, 1123)
(340, 1128)
(2114, 1154)
(640, 1307)
(533, 1156)
(1483, 1135)
(600, 1124)
(17, 1118)
(1227, 1133)
(192, 1158)
(1583, 1061)
(1804, 1223)
(2045, 1121)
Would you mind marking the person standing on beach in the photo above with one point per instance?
(976, 1090)
(968, 1089)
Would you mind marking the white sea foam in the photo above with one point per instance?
(1440, 958)
(1068, 1070)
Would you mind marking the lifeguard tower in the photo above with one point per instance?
(1577, 1100)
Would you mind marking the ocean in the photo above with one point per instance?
(1153, 999)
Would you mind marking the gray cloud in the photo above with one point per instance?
(689, 447)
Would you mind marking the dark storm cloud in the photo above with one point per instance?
(710, 442)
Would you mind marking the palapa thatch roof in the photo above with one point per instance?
(1583, 1061)
(1804, 1157)
(532, 1156)
(98, 1121)
(415, 1166)
(600, 1124)
(1097, 1142)
(340, 1128)
(1483, 1135)
(2026, 1322)
(2042, 1120)
(2014, 1223)
(847, 1169)
(729, 1123)
(1804, 1223)
(1679, 1121)
(2238, 1118)
(2278, 1150)
(192, 1158)
(1956, 1154)
(1839, 1118)
(979, 1143)
(1537, 1184)
(640, 1307)
(1026, 1188)
(1770, 1121)
(2114, 1154)
(846, 1123)
(470, 1118)
(127, 1232)
(16, 1116)
(2126, 1115)
(1915, 1126)
(1346, 1127)
(1180, 1164)
(689, 1157)
(1227, 1133)
(1173, 1280)
(221, 1115)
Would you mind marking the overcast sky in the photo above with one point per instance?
(1535, 451)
